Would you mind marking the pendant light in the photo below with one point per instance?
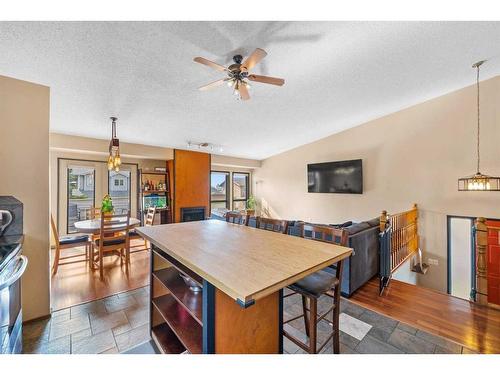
(114, 160)
(478, 181)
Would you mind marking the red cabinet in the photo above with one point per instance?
(493, 258)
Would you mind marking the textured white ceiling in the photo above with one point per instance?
(338, 75)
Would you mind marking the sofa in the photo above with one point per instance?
(363, 264)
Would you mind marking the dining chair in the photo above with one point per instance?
(148, 222)
(237, 218)
(67, 242)
(311, 288)
(94, 212)
(274, 225)
(113, 240)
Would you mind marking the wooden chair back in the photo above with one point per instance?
(150, 216)
(237, 218)
(95, 212)
(323, 233)
(54, 230)
(275, 225)
(115, 227)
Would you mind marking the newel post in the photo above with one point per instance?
(383, 220)
(481, 262)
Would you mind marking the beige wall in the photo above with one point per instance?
(415, 155)
(24, 167)
(224, 162)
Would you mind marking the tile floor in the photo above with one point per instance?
(110, 325)
(366, 332)
(118, 323)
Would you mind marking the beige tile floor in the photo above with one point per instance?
(110, 325)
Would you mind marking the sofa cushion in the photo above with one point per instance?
(374, 222)
(358, 227)
(343, 225)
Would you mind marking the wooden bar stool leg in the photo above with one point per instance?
(313, 323)
(304, 309)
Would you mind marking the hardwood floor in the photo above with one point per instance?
(76, 283)
(466, 323)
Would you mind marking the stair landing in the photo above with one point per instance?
(466, 323)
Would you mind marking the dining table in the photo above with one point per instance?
(93, 226)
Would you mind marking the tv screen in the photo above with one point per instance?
(335, 177)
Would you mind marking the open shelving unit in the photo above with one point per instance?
(176, 310)
(164, 212)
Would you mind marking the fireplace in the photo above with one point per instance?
(192, 213)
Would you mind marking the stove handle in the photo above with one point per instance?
(16, 275)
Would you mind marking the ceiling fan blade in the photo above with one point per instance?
(213, 84)
(209, 63)
(243, 92)
(254, 58)
(266, 79)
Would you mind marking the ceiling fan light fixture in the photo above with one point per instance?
(238, 73)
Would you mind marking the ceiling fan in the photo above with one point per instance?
(238, 74)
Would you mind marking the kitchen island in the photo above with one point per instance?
(242, 272)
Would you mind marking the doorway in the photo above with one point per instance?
(461, 261)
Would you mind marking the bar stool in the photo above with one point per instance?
(312, 287)
(237, 218)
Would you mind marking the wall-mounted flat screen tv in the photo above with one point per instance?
(335, 177)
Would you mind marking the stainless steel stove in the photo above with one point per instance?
(12, 266)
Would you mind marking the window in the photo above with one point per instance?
(219, 193)
(81, 193)
(119, 190)
(240, 190)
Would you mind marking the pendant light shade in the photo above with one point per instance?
(478, 181)
(114, 160)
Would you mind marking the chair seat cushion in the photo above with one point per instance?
(110, 242)
(68, 240)
(315, 284)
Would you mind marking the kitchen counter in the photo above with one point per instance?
(243, 272)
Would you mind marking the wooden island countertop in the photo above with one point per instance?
(245, 263)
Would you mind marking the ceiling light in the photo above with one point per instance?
(114, 160)
(205, 146)
(478, 181)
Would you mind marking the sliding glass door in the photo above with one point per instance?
(81, 194)
(83, 184)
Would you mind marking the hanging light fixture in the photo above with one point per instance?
(478, 181)
(114, 160)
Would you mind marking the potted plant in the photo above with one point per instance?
(250, 206)
(107, 205)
